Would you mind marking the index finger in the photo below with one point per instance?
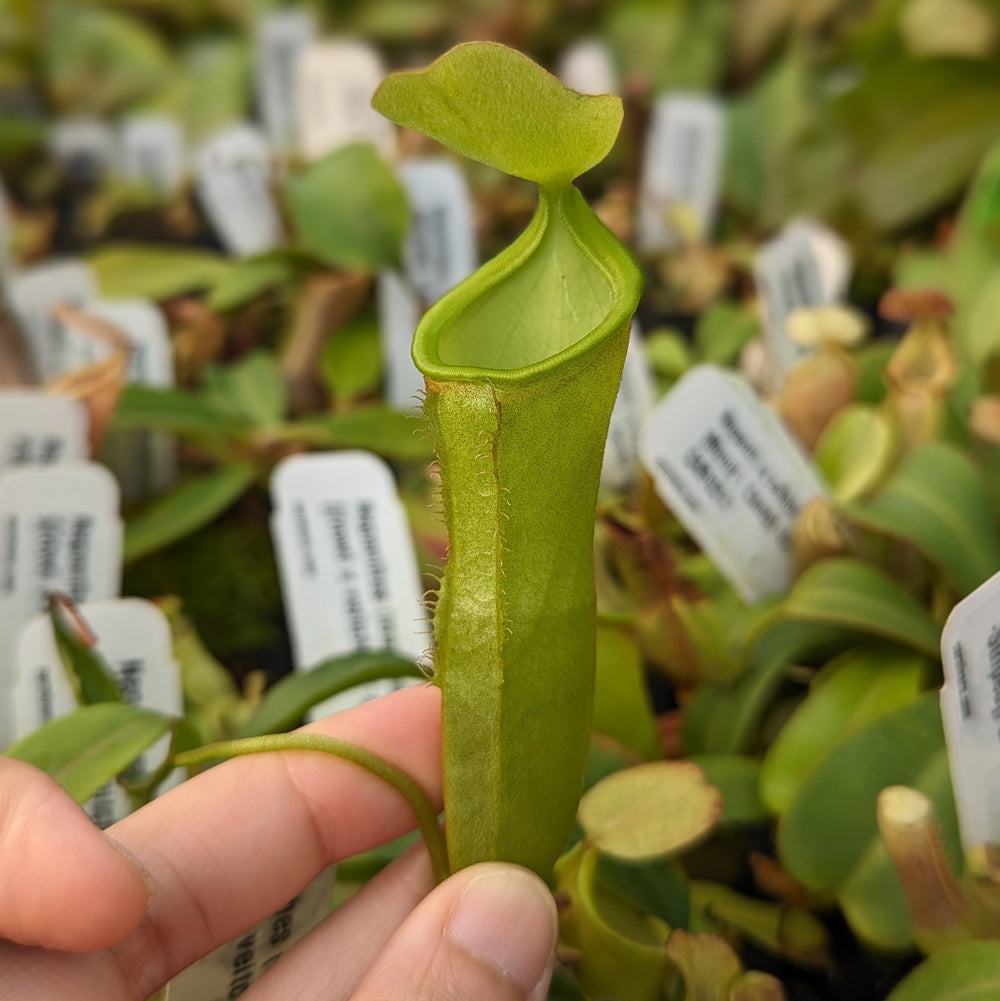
(234, 844)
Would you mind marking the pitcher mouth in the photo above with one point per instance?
(482, 330)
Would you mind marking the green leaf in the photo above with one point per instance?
(859, 686)
(828, 838)
(352, 365)
(726, 719)
(98, 60)
(659, 887)
(765, 128)
(350, 209)
(186, 509)
(920, 127)
(214, 84)
(90, 676)
(851, 595)
(287, 702)
(969, 971)
(401, 21)
(389, 433)
(607, 756)
(870, 361)
(152, 272)
(87, 748)
(147, 408)
(251, 389)
(495, 105)
(981, 334)
(936, 500)
(722, 331)
(737, 778)
(643, 34)
(622, 709)
(187, 12)
(253, 276)
(855, 451)
(668, 353)
(651, 810)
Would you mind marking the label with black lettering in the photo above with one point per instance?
(59, 531)
(398, 307)
(84, 147)
(831, 254)
(33, 292)
(681, 167)
(281, 36)
(732, 474)
(133, 637)
(805, 265)
(587, 68)
(334, 84)
(970, 711)
(230, 970)
(348, 569)
(151, 153)
(632, 406)
(233, 174)
(37, 429)
(144, 462)
(440, 247)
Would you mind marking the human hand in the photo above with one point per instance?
(111, 917)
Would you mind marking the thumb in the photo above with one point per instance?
(63, 883)
(488, 933)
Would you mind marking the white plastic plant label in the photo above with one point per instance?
(144, 462)
(632, 406)
(151, 153)
(230, 970)
(281, 35)
(831, 254)
(587, 67)
(37, 429)
(334, 84)
(59, 531)
(398, 308)
(440, 247)
(84, 147)
(346, 562)
(732, 474)
(33, 292)
(970, 711)
(681, 166)
(805, 265)
(133, 638)
(233, 172)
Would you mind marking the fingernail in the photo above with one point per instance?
(507, 917)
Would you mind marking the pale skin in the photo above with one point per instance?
(112, 916)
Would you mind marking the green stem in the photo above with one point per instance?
(404, 784)
(140, 792)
